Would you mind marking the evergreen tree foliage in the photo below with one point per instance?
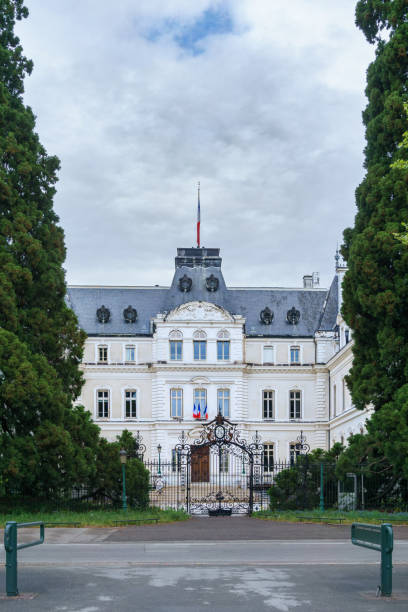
(44, 443)
(375, 289)
(108, 476)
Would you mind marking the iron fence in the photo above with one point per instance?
(287, 485)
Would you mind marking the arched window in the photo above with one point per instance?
(200, 345)
(176, 345)
(223, 334)
(199, 334)
(175, 334)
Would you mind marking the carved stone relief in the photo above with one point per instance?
(266, 316)
(103, 314)
(185, 283)
(293, 316)
(211, 283)
(199, 311)
(130, 314)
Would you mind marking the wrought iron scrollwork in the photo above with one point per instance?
(301, 445)
(103, 314)
(140, 448)
(222, 432)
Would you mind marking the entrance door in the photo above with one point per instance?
(200, 464)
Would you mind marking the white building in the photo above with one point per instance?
(271, 359)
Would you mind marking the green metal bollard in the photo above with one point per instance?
(10, 544)
(387, 544)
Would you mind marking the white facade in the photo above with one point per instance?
(276, 385)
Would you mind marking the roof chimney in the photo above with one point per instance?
(308, 281)
(311, 281)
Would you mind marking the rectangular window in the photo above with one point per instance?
(200, 350)
(223, 396)
(175, 460)
(103, 404)
(224, 461)
(130, 353)
(268, 354)
(268, 457)
(176, 403)
(294, 452)
(130, 404)
(102, 354)
(200, 402)
(223, 350)
(294, 354)
(334, 400)
(176, 350)
(295, 405)
(267, 404)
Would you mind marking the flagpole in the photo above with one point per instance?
(198, 217)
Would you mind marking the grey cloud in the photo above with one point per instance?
(271, 130)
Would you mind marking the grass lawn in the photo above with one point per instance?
(358, 516)
(93, 518)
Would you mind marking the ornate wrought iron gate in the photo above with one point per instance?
(219, 469)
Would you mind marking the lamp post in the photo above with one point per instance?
(159, 451)
(303, 448)
(123, 458)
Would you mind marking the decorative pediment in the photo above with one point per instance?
(200, 380)
(199, 311)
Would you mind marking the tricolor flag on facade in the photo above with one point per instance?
(195, 412)
(199, 412)
(198, 217)
(205, 413)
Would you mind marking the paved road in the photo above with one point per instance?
(86, 570)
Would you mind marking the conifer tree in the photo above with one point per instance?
(44, 442)
(375, 289)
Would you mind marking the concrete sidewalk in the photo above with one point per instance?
(204, 529)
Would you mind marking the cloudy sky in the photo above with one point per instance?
(260, 100)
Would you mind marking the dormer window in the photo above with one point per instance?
(268, 356)
(102, 353)
(130, 353)
(295, 355)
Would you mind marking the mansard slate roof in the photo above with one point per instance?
(318, 307)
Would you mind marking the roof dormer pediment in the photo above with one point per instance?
(199, 311)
